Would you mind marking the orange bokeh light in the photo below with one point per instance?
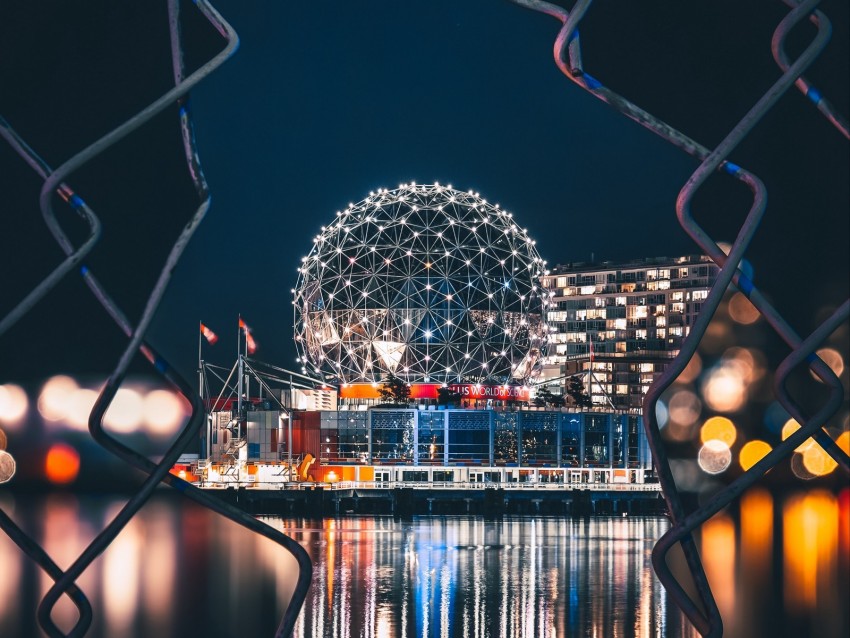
(62, 464)
(719, 428)
(753, 452)
(742, 310)
(789, 428)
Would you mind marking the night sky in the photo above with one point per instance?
(325, 101)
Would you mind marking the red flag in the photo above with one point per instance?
(209, 335)
(591, 350)
(249, 339)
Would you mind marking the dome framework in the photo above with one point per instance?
(424, 282)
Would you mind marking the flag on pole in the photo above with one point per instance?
(250, 344)
(591, 350)
(209, 335)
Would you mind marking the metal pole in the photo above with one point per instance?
(206, 448)
(241, 377)
(200, 364)
(291, 416)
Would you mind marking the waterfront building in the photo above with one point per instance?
(443, 294)
(424, 444)
(619, 324)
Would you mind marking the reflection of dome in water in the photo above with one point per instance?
(425, 282)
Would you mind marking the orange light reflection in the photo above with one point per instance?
(811, 536)
(718, 551)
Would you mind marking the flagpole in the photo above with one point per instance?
(200, 361)
(241, 372)
(247, 380)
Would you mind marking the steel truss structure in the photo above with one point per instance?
(424, 282)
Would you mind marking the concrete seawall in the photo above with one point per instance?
(406, 501)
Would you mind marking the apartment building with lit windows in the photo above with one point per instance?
(618, 324)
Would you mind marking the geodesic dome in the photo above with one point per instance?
(425, 282)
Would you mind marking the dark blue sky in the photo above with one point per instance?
(327, 100)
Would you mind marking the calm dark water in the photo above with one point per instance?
(466, 576)
(178, 570)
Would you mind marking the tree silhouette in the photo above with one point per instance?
(543, 397)
(576, 391)
(447, 396)
(395, 390)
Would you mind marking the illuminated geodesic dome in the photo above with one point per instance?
(425, 282)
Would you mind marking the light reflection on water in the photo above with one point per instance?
(466, 576)
(777, 569)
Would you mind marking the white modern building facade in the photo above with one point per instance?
(619, 324)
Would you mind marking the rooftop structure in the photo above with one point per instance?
(424, 282)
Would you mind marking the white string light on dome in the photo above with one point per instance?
(423, 281)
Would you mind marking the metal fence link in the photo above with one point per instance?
(158, 472)
(567, 52)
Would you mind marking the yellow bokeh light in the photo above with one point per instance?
(817, 461)
(843, 442)
(789, 428)
(718, 428)
(753, 452)
(742, 311)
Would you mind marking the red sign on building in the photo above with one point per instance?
(498, 392)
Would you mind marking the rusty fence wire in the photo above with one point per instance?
(55, 184)
(704, 614)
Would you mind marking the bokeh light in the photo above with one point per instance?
(753, 452)
(79, 406)
(789, 428)
(716, 337)
(13, 404)
(62, 464)
(692, 370)
(162, 412)
(775, 417)
(817, 461)
(724, 389)
(125, 412)
(714, 457)
(742, 311)
(843, 442)
(55, 397)
(7, 467)
(749, 364)
(833, 359)
(798, 468)
(684, 408)
(718, 428)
